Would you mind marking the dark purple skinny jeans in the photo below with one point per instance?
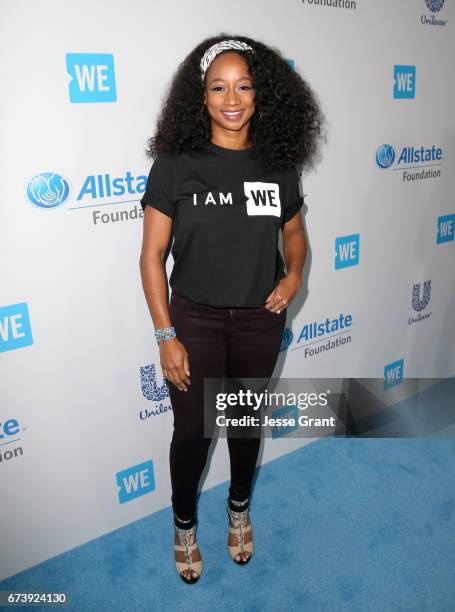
(221, 342)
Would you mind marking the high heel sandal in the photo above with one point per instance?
(188, 544)
(240, 529)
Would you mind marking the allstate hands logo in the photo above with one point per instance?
(286, 339)
(48, 190)
(385, 156)
(434, 5)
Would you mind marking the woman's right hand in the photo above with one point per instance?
(175, 363)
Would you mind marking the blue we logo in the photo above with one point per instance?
(15, 328)
(393, 374)
(346, 251)
(446, 229)
(135, 481)
(404, 81)
(92, 77)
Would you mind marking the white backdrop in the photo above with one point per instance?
(80, 409)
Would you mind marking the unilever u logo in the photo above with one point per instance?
(150, 388)
(417, 303)
(434, 5)
(48, 190)
(385, 156)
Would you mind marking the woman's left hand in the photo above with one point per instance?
(283, 293)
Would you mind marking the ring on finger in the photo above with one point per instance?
(284, 304)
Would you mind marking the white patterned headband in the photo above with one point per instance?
(215, 49)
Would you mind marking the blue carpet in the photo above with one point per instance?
(340, 524)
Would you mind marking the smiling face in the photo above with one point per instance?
(229, 96)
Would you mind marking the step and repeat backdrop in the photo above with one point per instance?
(85, 416)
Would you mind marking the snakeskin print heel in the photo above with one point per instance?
(243, 532)
(188, 544)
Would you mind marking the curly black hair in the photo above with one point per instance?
(285, 130)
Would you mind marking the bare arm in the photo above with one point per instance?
(156, 236)
(294, 252)
(294, 246)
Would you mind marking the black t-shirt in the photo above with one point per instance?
(227, 215)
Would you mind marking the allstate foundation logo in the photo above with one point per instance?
(94, 192)
(10, 440)
(48, 190)
(317, 337)
(286, 339)
(416, 162)
(434, 5)
(385, 156)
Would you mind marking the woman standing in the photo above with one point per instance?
(236, 125)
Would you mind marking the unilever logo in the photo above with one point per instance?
(286, 339)
(153, 392)
(417, 303)
(150, 388)
(48, 190)
(434, 5)
(385, 156)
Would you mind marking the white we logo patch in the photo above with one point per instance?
(263, 199)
